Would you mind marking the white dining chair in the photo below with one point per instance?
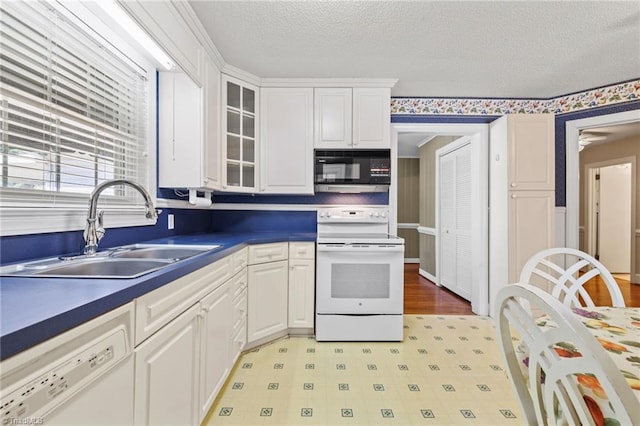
(559, 270)
(549, 381)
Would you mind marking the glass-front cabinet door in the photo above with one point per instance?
(240, 125)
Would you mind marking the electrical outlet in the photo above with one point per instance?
(170, 221)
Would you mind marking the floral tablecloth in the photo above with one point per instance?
(618, 331)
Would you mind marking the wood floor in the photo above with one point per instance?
(421, 296)
(600, 295)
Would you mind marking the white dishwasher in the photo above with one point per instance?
(81, 377)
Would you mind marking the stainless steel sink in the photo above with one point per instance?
(147, 251)
(104, 268)
(122, 262)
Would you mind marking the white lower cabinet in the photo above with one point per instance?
(268, 295)
(166, 371)
(301, 285)
(216, 344)
(184, 362)
(190, 332)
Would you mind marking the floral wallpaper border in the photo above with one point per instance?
(623, 92)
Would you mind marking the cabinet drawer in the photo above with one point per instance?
(239, 284)
(240, 259)
(157, 308)
(306, 250)
(239, 309)
(262, 253)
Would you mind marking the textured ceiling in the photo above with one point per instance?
(514, 49)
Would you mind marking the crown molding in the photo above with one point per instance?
(242, 75)
(330, 82)
(187, 13)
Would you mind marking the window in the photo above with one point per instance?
(74, 111)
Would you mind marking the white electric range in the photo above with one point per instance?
(360, 276)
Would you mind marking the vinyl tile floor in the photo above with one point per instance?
(447, 371)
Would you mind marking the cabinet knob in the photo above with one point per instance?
(514, 196)
(513, 185)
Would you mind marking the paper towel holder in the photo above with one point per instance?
(199, 201)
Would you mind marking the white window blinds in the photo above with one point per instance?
(73, 112)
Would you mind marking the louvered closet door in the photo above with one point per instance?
(455, 221)
(447, 272)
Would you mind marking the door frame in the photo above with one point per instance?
(588, 232)
(445, 150)
(572, 132)
(480, 196)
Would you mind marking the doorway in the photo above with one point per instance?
(609, 224)
(477, 257)
(614, 237)
(575, 194)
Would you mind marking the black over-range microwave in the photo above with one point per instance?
(352, 170)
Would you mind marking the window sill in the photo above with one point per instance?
(39, 220)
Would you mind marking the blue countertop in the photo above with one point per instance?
(33, 310)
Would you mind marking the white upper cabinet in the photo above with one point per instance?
(240, 135)
(179, 131)
(371, 118)
(531, 151)
(189, 130)
(333, 118)
(188, 99)
(212, 146)
(352, 118)
(286, 141)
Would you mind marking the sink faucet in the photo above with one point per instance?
(93, 234)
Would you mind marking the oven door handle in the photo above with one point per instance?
(360, 248)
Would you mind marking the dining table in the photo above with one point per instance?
(617, 329)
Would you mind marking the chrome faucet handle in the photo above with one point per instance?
(152, 213)
(100, 231)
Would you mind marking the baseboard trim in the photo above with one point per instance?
(428, 276)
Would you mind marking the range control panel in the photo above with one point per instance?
(353, 215)
(64, 377)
